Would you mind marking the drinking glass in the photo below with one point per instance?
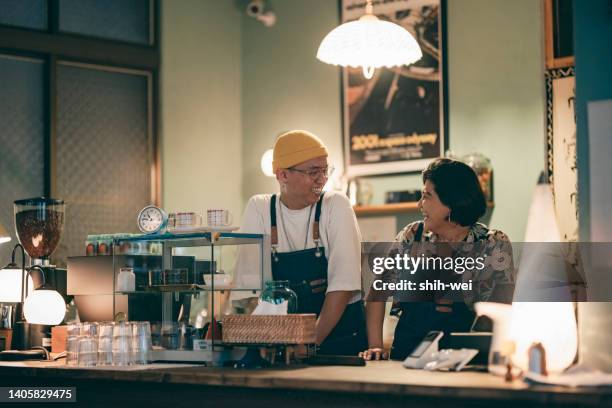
(141, 342)
(87, 352)
(73, 331)
(170, 336)
(105, 343)
(122, 344)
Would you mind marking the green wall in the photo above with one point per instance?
(200, 105)
(285, 87)
(496, 93)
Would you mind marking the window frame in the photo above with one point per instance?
(56, 47)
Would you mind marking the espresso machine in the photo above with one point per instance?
(39, 223)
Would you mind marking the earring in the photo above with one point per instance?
(449, 216)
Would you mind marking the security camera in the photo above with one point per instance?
(268, 18)
(255, 8)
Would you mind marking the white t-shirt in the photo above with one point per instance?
(339, 235)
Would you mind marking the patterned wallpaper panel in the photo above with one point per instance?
(21, 138)
(24, 13)
(103, 154)
(124, 20)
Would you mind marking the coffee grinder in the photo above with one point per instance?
(39, 223)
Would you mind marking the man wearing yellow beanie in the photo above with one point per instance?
(313, 242)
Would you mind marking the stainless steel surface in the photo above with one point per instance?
(90, 275)
(218, 356)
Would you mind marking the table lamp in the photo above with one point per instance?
(12, 279)
(39, 306)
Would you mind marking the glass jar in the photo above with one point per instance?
(126, 280)
(482, 166)
(105, 244)
(277, 292)
(91, 245)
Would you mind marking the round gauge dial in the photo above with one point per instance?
(152, 219)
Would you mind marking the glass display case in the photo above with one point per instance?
(181, 284)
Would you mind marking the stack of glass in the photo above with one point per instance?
(108, 343)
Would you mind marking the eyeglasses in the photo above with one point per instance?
(315, 172)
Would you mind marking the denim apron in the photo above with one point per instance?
(306, 271)
(419, 318)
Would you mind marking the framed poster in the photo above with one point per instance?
(394, 122)
(559, 33)
(561, 148)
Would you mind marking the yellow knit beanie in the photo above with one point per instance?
(295, 147)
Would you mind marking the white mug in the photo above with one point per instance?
(218, 218)
(186, 220)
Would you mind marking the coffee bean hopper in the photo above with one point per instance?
(39, 223)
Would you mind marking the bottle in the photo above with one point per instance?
(126, 280)
(277, 292)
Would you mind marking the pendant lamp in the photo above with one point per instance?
(369, 43)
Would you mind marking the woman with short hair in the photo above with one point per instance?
(452, 202)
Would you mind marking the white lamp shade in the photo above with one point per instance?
(44, 307)
(266, 163)
(551, 323)
(10, 285)
(369, 43)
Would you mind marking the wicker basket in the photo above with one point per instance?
(270, 329)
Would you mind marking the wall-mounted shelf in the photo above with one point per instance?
(392, 209)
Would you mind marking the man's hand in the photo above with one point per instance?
(374, 353)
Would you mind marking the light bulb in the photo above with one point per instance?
(44, 306)
(266, 163)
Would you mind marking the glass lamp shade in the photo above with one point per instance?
(44, 306)
(10, 285)
(266, 163)
(369, 43)
(553, 324)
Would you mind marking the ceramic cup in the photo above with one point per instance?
(186, 220)
(218, 218)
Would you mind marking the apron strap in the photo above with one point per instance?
(419, 233)
(273, 229)
(315, 224)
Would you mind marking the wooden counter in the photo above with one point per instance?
(380, 384)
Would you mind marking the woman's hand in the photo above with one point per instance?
(374, 353)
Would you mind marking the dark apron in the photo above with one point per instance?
(306, 271)
(419, 318)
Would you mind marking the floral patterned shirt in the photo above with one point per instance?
(492, 244)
